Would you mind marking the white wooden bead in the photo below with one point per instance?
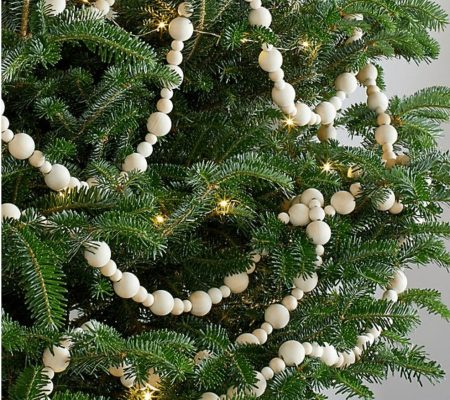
(54, 7)
(284, 97)
(97, 254)
(388, 202)
(2, 107)
(117, 276)
(292, 353)
(145, 149)
(46, 167)
(127, 381)
(372, 89)
(307, 347)
(388, 147)
(327, 132)
(255, 4)
(201, 303)
(174, 57)
(7, 135)
(260, 17)
(149, 300)
(102, 6)
(330, 211)
(346, 82)
(337, 102)
(128, 286)
(58, 178)
(277, 365)
(134, 162)
(164, 105)
(209, 396)
(316, 214)
(399, 282)
(141, 295)
(311, 194)
(268, 373)
(267, 327)
(57, 359)
(329, 356)
(343, 202)
(163, 303)
(320, 250)
(151, 138)
(37, 159)
(21, 146)
(327, 112)
(159, 124)
(276, 76)
(179, 72)
(48, 372)
(250, 269)
(237, 282)
(167, 93)
(369, 71)
(247, 338)
(299, 215)
(216, 295)
(187, 306)
(259, 387)
(185, 9)
(290, 302)
(10, 210)
(389, 156)
(109, 268)
(306, 283)
(277, 315)
(178, 307)
(270, 61)
(378, 102)
(317, 350)
(181, 28)
(261, 334)
(318, 262)
(319, 232)
(386, 134)
(355, 189)
(397, 208)
(390, 295)
(283, 217)
(226, 291)
(4, 123)
(342, 95)
(303, 115)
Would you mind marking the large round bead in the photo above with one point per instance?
(285, 96)
(299, 215)
(54, 7)
(319, 232)
(378, 102)
(181, 28)
(303, 115)
(277, 315)
(260, 17)
(163, 303)
(128, 286)
(58, 178)
(387, 202)
(343, 202)
(259, 387)
(306, 283)
(386, 134)
(201, 303)
(311, 194)
(270, 60)
(346, 82)
(292, 352)
(209, 396)
(97, 254)
(399, 283)
(57, 359)
(10, 210)
(329, 355)
(134, 162)
(237, 282)
(21, 146)
(327, 132)
(368, 72)
(327, 112)
(159, 124)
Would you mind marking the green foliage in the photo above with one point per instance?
(83, 87)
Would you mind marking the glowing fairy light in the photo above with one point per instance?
(159, 219)
(327, 166)
(161, 26)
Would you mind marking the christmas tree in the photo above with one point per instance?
(179, 218)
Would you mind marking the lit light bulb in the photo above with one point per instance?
(159, 219)
(224, 206)
(224, 203)
(305, 43)
(161, 25)
(327, 167)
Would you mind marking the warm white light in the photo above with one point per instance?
(327, 167)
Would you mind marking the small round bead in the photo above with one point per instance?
(117, 276)
(247, 338)
(297, 293)
(261, 334)
(277, 365)
(267, 373)
(270, 61)
(320, 250)
(399, 282)
(7, 135)
(397, 208)
(185, 9)
(174, 57)
(383, 119)
(178, 307)
(151, 138)
(149, 300)
(187, 306)
(46, 167)
(308, 348)
(37, 159)
(10, 210)
(260, 17)
(216, 295)
(145, 149)
(267, 327)
(390, 295)
(4, 123)
(276, 76)
(290, 302)
(167, 93)
(226, 291)
(337, 102)
(109, 268)
(164, 105)
(21, 146)
(330, 211)
(369, 71)
(141, 295)
(355, 189)
(316, 214)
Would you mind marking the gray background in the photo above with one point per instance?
(404, 79)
